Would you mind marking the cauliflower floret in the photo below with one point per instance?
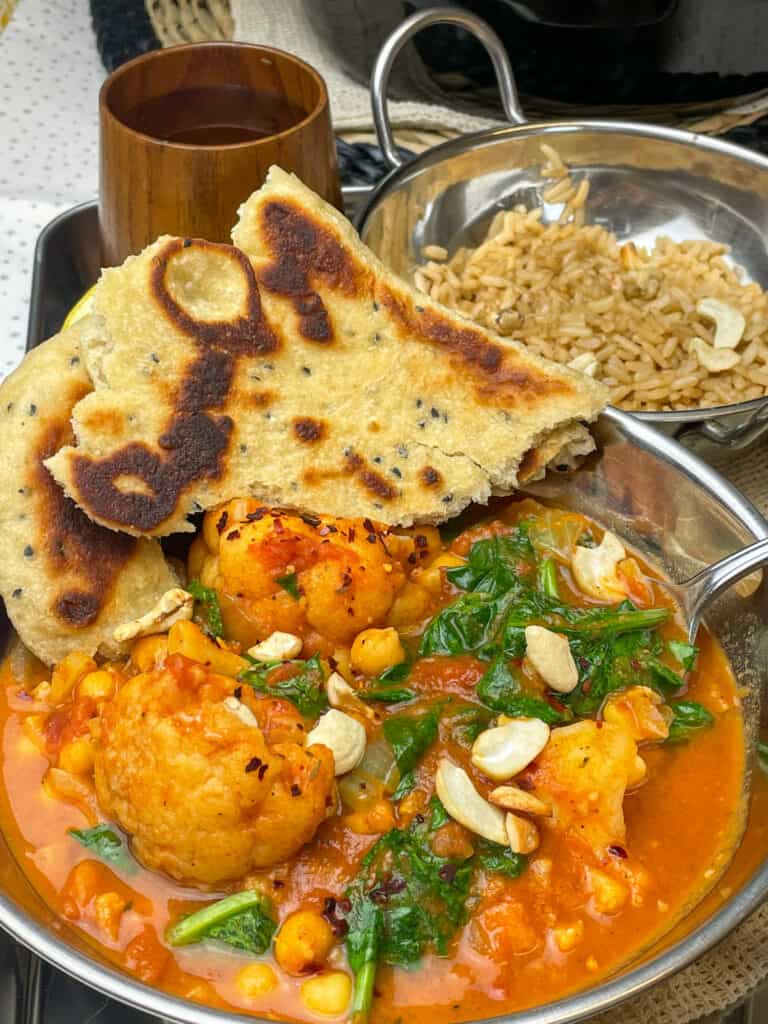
(205, 796)
(583, 773)
(338, 575)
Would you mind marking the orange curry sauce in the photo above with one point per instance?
(682, 825)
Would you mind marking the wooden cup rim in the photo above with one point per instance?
(320, 107)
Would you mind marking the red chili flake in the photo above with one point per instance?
(312, 521)
(351, 534)
(333, 663)
(412, 559)
(238, 692)
(368, 526)
(295, 790)
(263, 771)
(618, 851)
(599, 723)
(253, 765)
(586, 686)
(448, 872)
(254, 517)
(333, 529)
(523, 783)
(420, 540)
(554, 703)
(233, 535)
(278, 526)
(278, 883)
(222, 523)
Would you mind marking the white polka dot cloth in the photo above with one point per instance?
(50, 74)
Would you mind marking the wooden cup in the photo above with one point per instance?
(150, 186)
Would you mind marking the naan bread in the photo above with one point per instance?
(67, 583)
(296, 368)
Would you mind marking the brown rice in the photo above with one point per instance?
(567, 289)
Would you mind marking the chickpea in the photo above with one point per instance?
(77, 756)
(411, 605)
(327, 993)
(148, 652)
(99, 684)
(375, 650)
(304, 941)
(255, 980)
(379, 818)
(68, 673)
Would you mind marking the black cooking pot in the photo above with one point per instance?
(586, 53)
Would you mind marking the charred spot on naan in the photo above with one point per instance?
(74, 546)
(304, 251)
(246, 333)
(430, 477)
(309, 430)
(494, 367)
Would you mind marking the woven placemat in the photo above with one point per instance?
(190, 21)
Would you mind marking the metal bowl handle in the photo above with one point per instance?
(742, 435)
(391, 48)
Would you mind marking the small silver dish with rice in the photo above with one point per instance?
(636, 252)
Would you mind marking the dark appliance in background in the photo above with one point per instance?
(572, 54)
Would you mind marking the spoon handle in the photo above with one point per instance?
(707, 584)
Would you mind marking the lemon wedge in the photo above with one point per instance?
(81, 308)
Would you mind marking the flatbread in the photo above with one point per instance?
(67, 583)
(297, 369)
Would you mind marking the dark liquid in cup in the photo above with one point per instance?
(217, 115)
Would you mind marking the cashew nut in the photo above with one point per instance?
(277, 647)
(594, 569)
(585, 362)
(522, 835)
(510, 798)
(174, 606)
(241, 711)
(729, 322)
(714, 359)
(344, 736)
(341, 695)
(465, 805)
(550, 654)
(505, 750)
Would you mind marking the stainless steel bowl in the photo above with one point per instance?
(681, 515)
(646, 181)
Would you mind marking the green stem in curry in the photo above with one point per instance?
(548, 578)
(196, 926)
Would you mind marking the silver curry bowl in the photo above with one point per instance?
(680, 514)
(645, 181)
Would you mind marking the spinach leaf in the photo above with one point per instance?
(495, 564)
(665, 680)
(382, 688)
(410, 736)
(305, 689)
(469, 624)
(103, 841)
(290, 583)
(405, 901)
(499, 860)
(762, 755)
(689, 719)
(242, 920)
(500, 690)
(683, 652)
(388, 694)
(209, 601)
(468, 722)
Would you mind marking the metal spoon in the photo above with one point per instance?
(695, 594)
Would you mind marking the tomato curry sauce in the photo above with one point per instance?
(381, 772)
